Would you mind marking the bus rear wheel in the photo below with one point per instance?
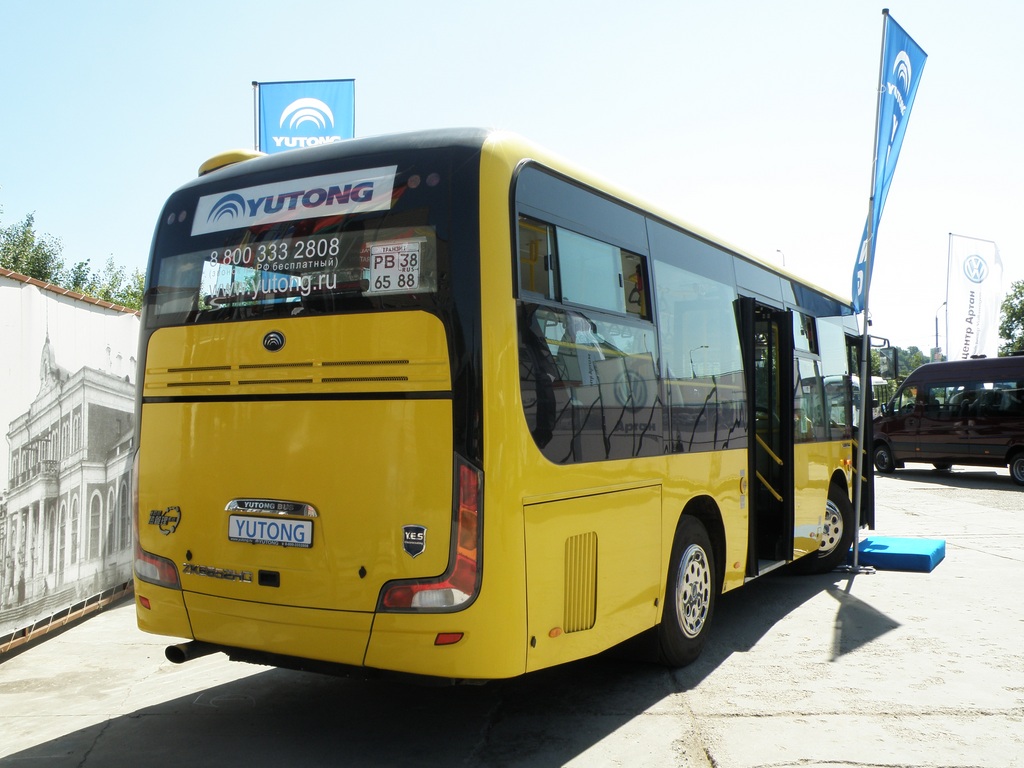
(689, 595)
(1017, 467)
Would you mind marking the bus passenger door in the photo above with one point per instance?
(854, 350)
(767, 338)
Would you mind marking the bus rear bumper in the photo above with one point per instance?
(338, 637)
(334, 642)
(445, 645)
(160, 610)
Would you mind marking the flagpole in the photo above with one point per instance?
(255, 115)
(949, 269)
(865, 361)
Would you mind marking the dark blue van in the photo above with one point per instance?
(960, 412)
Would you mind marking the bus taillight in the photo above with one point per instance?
(459, 583)
(155, 570)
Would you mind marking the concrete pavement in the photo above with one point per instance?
(889, 669)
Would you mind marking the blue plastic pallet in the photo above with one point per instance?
(899, 554)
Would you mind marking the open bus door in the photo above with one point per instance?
(854, 348)
(767, 340)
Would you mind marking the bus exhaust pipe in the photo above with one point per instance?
(182, 652)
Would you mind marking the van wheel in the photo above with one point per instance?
(884, 462)
(1017, 467)
(689, 595)
(836, 537)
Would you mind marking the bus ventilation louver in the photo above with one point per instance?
(580, 582)
(311, 374)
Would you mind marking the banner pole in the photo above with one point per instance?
(255, 116)
(865, 361)
(949, 269)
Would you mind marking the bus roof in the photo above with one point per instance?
(513, 146)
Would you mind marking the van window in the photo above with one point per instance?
(946, 401)
(1000, 398)
(907, 400)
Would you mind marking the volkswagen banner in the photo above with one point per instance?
(974, 295)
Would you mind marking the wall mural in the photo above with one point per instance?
(68, 378)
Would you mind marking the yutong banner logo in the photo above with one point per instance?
(329, 195)
(305, 114)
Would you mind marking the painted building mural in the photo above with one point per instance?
(68, 377)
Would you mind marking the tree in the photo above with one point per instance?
(40, 256)
(21, 250)
(1011, 324)
(115, 285)
(911, 358)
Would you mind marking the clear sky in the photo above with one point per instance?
(753, 120)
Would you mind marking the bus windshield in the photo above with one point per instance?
(266, 251)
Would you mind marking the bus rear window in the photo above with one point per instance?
(270, 268)
(352, 236)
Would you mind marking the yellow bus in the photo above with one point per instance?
(442, 404)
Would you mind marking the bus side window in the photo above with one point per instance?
(538, 373)
(808, 402)
(635, 285)
(536, 257)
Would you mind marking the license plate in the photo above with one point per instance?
(281, 532)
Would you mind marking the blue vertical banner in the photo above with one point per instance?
(299, 114)
(899, 74)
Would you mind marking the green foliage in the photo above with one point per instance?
(911, 358)
(907, 360)
(21, 250)
(1011, 324)
(41, 256)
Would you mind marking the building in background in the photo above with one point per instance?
(65, 533)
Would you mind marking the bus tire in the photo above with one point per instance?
(884, 461)
(689, 595)
(1017, 467)
(836, 537)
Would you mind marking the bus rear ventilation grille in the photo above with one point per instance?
(364, 362)
(200, 369)
(275, 381)
(580, 610)
(344, 380)
(251, 366)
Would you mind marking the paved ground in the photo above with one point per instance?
(890, 669)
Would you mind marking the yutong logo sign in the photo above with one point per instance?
(306, 112)
(329, 195)
(293, 115)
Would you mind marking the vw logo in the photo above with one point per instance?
(273, 341)
(975, 268)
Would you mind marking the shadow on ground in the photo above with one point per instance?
(280, 717)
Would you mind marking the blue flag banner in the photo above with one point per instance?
(902, 64)
(305, 113)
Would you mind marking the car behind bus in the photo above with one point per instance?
(960, 412)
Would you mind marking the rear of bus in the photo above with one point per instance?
(309, 482)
